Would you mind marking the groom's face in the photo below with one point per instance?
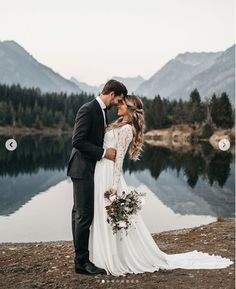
(114, 100)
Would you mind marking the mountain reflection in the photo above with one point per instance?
(40, 162)
(34, 153)
(52, 153)
(202, 162)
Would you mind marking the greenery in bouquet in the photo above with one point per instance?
(121, 209)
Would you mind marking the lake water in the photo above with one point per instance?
(183, 189)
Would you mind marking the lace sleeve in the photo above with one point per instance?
(125, 136)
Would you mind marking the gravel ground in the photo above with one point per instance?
(50, 264)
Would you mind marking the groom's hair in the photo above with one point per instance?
(116, 86)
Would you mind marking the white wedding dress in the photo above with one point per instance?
(137, 252)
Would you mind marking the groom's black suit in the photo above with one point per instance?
(87, 142)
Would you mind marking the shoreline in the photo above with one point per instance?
(9, 130)
(50, 264)
(176, 133)
(182, 138)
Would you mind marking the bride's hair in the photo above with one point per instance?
(136, 120)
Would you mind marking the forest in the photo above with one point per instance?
(29, 107)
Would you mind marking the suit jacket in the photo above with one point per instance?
(87, 140)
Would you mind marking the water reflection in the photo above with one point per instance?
(34, 153)
(46, 217)
(202, 162)
(195, 183)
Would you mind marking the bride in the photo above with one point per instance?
(137, 251)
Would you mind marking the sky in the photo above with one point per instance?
(94, 40)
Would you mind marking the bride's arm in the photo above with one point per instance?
(125, 136)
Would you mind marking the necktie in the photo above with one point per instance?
(105, 110)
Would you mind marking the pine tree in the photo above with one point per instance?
(226, 115)
(221, 111)
(196, 109)
(158, 112)
(70, 118)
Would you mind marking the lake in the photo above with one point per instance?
(184, 189)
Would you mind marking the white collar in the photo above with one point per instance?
(100, 101)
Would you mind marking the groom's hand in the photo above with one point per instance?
(110, 154)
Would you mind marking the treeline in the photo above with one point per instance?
(215, 112)
(30, 108)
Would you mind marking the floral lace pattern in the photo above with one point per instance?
(125, 136)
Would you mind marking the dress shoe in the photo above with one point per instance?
(88, 268)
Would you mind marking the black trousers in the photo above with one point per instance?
(82, 216)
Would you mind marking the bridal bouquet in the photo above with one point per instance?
(121, 209)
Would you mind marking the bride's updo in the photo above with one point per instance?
(136, 120)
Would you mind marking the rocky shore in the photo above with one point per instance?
(180, 137)
(49, 265)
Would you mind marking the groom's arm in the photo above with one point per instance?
(83, 123)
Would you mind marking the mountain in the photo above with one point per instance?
(86, 87)
(207, 71)
(217, 78)
(18, 66)
(132, 83)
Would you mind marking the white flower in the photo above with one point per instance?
(121, 224)
(143, 201)
(112, 198)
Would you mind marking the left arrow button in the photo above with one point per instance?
(11, 144)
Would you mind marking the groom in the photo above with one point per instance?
(87, 142)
